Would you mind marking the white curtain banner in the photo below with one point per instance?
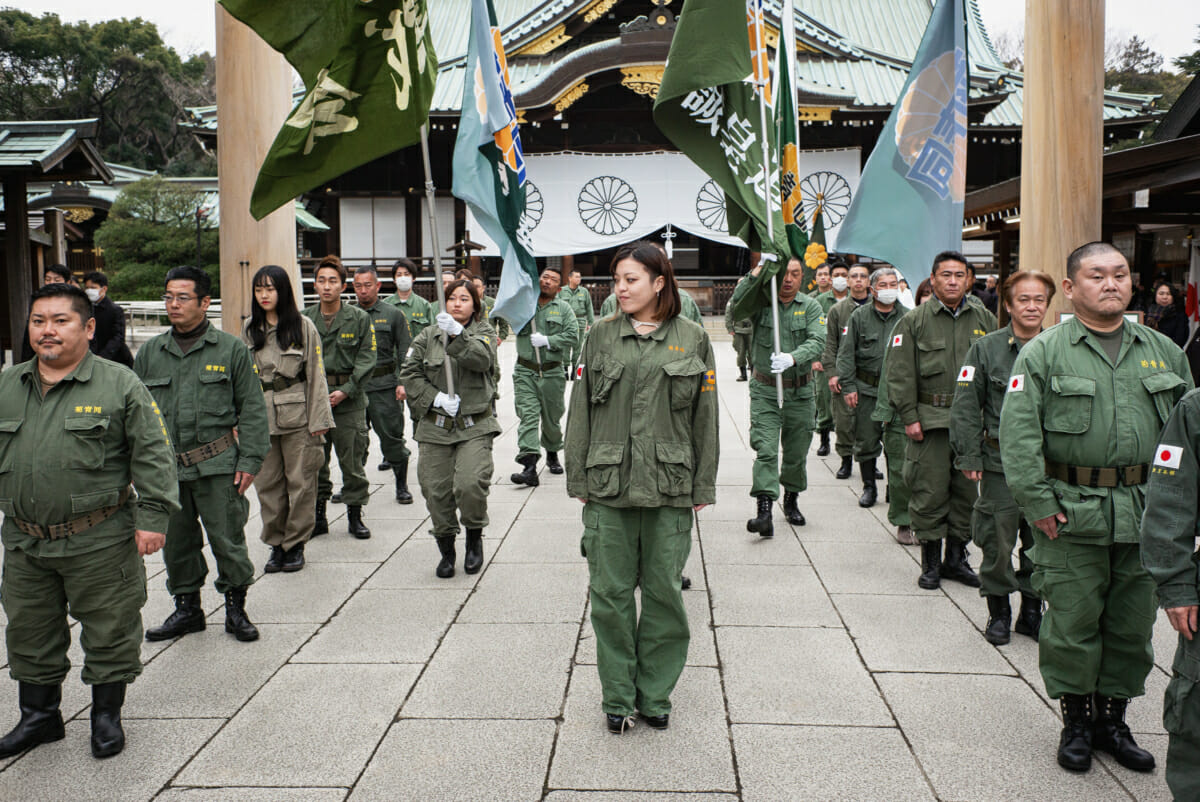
(583, 202)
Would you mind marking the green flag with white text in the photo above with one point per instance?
(369, 69)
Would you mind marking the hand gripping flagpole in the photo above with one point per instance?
(437, 251)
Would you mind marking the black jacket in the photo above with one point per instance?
(109, 341)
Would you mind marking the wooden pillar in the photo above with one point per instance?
(254, 97)
(52, 219)
(19, 283)
(1062, 135)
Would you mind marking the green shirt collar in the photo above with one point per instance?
(82, 372)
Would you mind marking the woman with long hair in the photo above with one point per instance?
(641, 451)
(1167, 314)
(287, 351)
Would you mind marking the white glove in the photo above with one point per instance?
(449, 324)
(781, 362)
(449, 403)
(539, 340)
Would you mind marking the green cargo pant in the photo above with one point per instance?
(539, 399)
(741, 345)
(996, 526)
(287, 489)
(641, 657)
(942, 498)
(843, 423)
(350, 439)
(895, 443)
(386, 415)
(770, 427)
(1181, 719)
(213, 501)
(103, 589)
(824, 402)
(868, 434)
(1095, 635)
(455, 480)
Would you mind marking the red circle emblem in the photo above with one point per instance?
(1165, 456)
(1015, 383)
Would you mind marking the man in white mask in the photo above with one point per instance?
(109, 340)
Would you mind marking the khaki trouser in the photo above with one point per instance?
(287, 488)
(539, 400)
(773, 430)
(213, 500)
(455, 480)
(349, 438)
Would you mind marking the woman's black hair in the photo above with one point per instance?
(1176, 295)
(467, 285)
(289, 332)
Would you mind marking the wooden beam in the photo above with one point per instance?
(17, 266)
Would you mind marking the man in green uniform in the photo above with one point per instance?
(859, 365)
(741, 331)
(580, 300)
(895, 443)
(801, 337)
(539, 384)
(928, 347)
(996, 522)
(75, 430)
(835, 328)
(385, 392)
(1085, 404)
(417, 311)
(826, 296)
(205, 384)
(348, 350)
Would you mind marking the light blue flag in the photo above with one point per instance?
(909, 205)
(489, 166)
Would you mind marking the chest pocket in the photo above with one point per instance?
(1163, 388)
(8, 434)
(1068, 408)
(684, 377)
(932, 357)
(158, 386)
(215, 391)
(604, 375)
(603, 469)
(85, 442)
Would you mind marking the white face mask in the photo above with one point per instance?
(93, 295)
(404, 283)
(840, 283)
(886, 297)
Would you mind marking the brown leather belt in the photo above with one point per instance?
(383, 370)
(73, 526)
(444, 421)
(867, 378)
(280, 383)
(187, 459)
(534, 366)
(769, 378)
(336, 379)
(942, 400)
(1084, 476)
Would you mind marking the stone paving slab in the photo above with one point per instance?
(529, 594)
(764, 595)
(860, 568)
(543, 544)
(311, 595)
(252, 795)
(385, 626)
(730, 544)
(412, 567)
(635, 796)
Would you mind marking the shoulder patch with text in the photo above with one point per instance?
(1168, 456)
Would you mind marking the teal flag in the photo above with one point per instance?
(489, 166)
(369, 71)
(787, 129)
(909, 205)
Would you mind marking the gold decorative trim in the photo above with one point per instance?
(566, 99)
(79, 214)
(521, 117)
(815, 113)
(644, 79)
(555, 37)
(597, 10)
(772, 37)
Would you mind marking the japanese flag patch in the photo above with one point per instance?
(845, 329)
(1016, 383)
(899, 338)
(579, 372)
(1168, 456)
(967, 374)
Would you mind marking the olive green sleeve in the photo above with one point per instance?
(401, 340)
(729, 317)
(846, 368)
(420, 390)
(568, 338)
(253, 431)
(1169, 525)
(814, 335)
(316, 392)
(589, 311)
(579, 426)
(833, 337)
(1021, 440)
(966, 413)
(706, 444)
(364, 357)
(902, 371)
(475, 348)
(151, 460)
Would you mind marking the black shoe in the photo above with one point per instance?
(41, 721)
(275, 561)
(354, 518)
(846, 469)
(1075, 743)
(870, 493)
(445, 568)
(237, 623)
(187, 618)
(955, 566)
(657, 722)
(790, 510)
(293, 559)
(999, 620)
(321, 527)
(742, 374)
(552, 464)
(385, 466)
(931, 558)
(473, 556)
(403, 496)
(618, 724)
(823, 449)
(108, 738)
(761, 523)
(1111, 734)
(1029, 620)
(685, 582)
(336, 498)
(528, 476)
(878, 474)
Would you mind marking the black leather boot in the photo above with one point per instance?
(955, 566)
(552, 464)
(846, 469)
(237, 623)
(275, 561)
(823, 449)
(336, 498)
(790, 510)
(354, 518)
(293, 559)
(321, 527)
(742, 374)
(403, 496)
(1029, 620)
(445, 568)
(187, 618)
(1111, 734)
(1075, 743)
(108, 738)
(473, 557)
(931, 558)
(761, 523)
(870, 493)
(41, 720)
(528, 476)
(385, 466)
(999, 619)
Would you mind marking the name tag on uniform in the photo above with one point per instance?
(967, 374)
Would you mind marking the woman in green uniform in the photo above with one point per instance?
(455, 430)
(287, 354)
(641, 453)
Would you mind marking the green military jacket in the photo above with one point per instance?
(499, 324)
(928, 347)
(975, 413)
(827, 300)
(580, 301)
(472, 358)
(203, 395)
(418, 312)
(800, 334)
(836, 318)
(347, 348)
(689, 308)
(610, 306)
(391, 344)
(556, 320)
(75, 450)
(642, 427)
(860, 357)
(1067, 403)
(1170, 522)
(744, 326)
(304, 404)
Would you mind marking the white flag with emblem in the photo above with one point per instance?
(1016, 383)
(967, 373)
(899, 338)
(1168, 456)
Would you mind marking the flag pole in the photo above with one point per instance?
(437, 250)
(761, 82)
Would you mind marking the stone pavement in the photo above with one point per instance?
(817, 670)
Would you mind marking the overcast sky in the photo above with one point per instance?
(1170, 26)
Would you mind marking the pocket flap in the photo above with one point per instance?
(610, 368)
(678, 453)
(692, 366)
(1158, 382)
(211, 377)
(605, 454)
(931, 345)
(1073, 385)
(10, 425)
(86, 502)
(157, 381)
(92, 424)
